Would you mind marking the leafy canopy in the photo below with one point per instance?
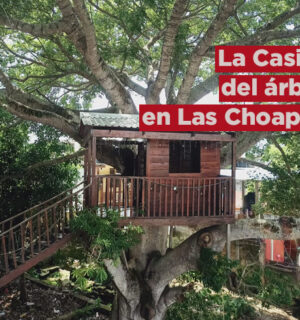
(21, 145)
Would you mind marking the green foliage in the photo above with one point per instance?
(280, 195)
(106, 239)
(279, 289)
(100, 238)
(214, 269)
(23, 144)
(205, 305)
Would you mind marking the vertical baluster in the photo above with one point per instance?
(131, 196)
(121, 187)
(76, 204)
(143, 196)
(47, 228)
(193, 197)
(149, 196)
(55, 222)
(231, 205)
(4, 252)
(71, 205)
(31, 237)
(101, 184)
(177, 197)
(39, 231)
(188, 197)
(220, 196)
(22, 243)
(209, 197)
(13, 249)
(108, 192)
(137, 196)
(215, 199)
(160, 197)
(125, 197)
(172, 195)
(204, 196)
(199, 185)
(114, 193)
(182, 196)
(166, 197)
(154, 198)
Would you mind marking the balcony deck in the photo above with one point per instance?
(166, 200)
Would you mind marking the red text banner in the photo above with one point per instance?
(257, 59)
(271, 88)
(194, 118)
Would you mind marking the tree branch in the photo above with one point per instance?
(186, 256)
(167, 50)
(284, 156)
(37, 30)
(45, 163)
(194, 63)
(258, 164)
(127, 285)
(83, 36)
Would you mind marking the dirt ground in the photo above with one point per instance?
(42, 304)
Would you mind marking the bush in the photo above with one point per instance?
(205, 305)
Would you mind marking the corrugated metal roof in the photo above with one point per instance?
(110, 120)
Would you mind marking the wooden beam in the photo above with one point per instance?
(162, 135)
(176, 221)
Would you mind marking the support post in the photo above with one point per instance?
(228, 242)
(233, 169)
(262, 259)
(298, 264)
(237, 250)
(94, 199)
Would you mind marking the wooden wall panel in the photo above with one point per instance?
(210, 159)
(157, 164)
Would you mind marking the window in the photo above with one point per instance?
(184, 156)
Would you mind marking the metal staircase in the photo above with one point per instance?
(37, 233)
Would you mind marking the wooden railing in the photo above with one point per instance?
(13, 220)
(37, 231)
(164, 197)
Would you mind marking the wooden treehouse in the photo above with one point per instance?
(155, 178)
(173, 178)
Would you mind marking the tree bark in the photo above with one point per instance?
(143, 285)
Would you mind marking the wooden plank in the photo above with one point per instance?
(162, 135)
(177, 221)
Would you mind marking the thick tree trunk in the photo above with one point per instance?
(143, 289)
(143, 282)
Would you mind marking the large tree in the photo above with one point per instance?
(58, 55)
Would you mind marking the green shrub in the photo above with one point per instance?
(205, 305)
